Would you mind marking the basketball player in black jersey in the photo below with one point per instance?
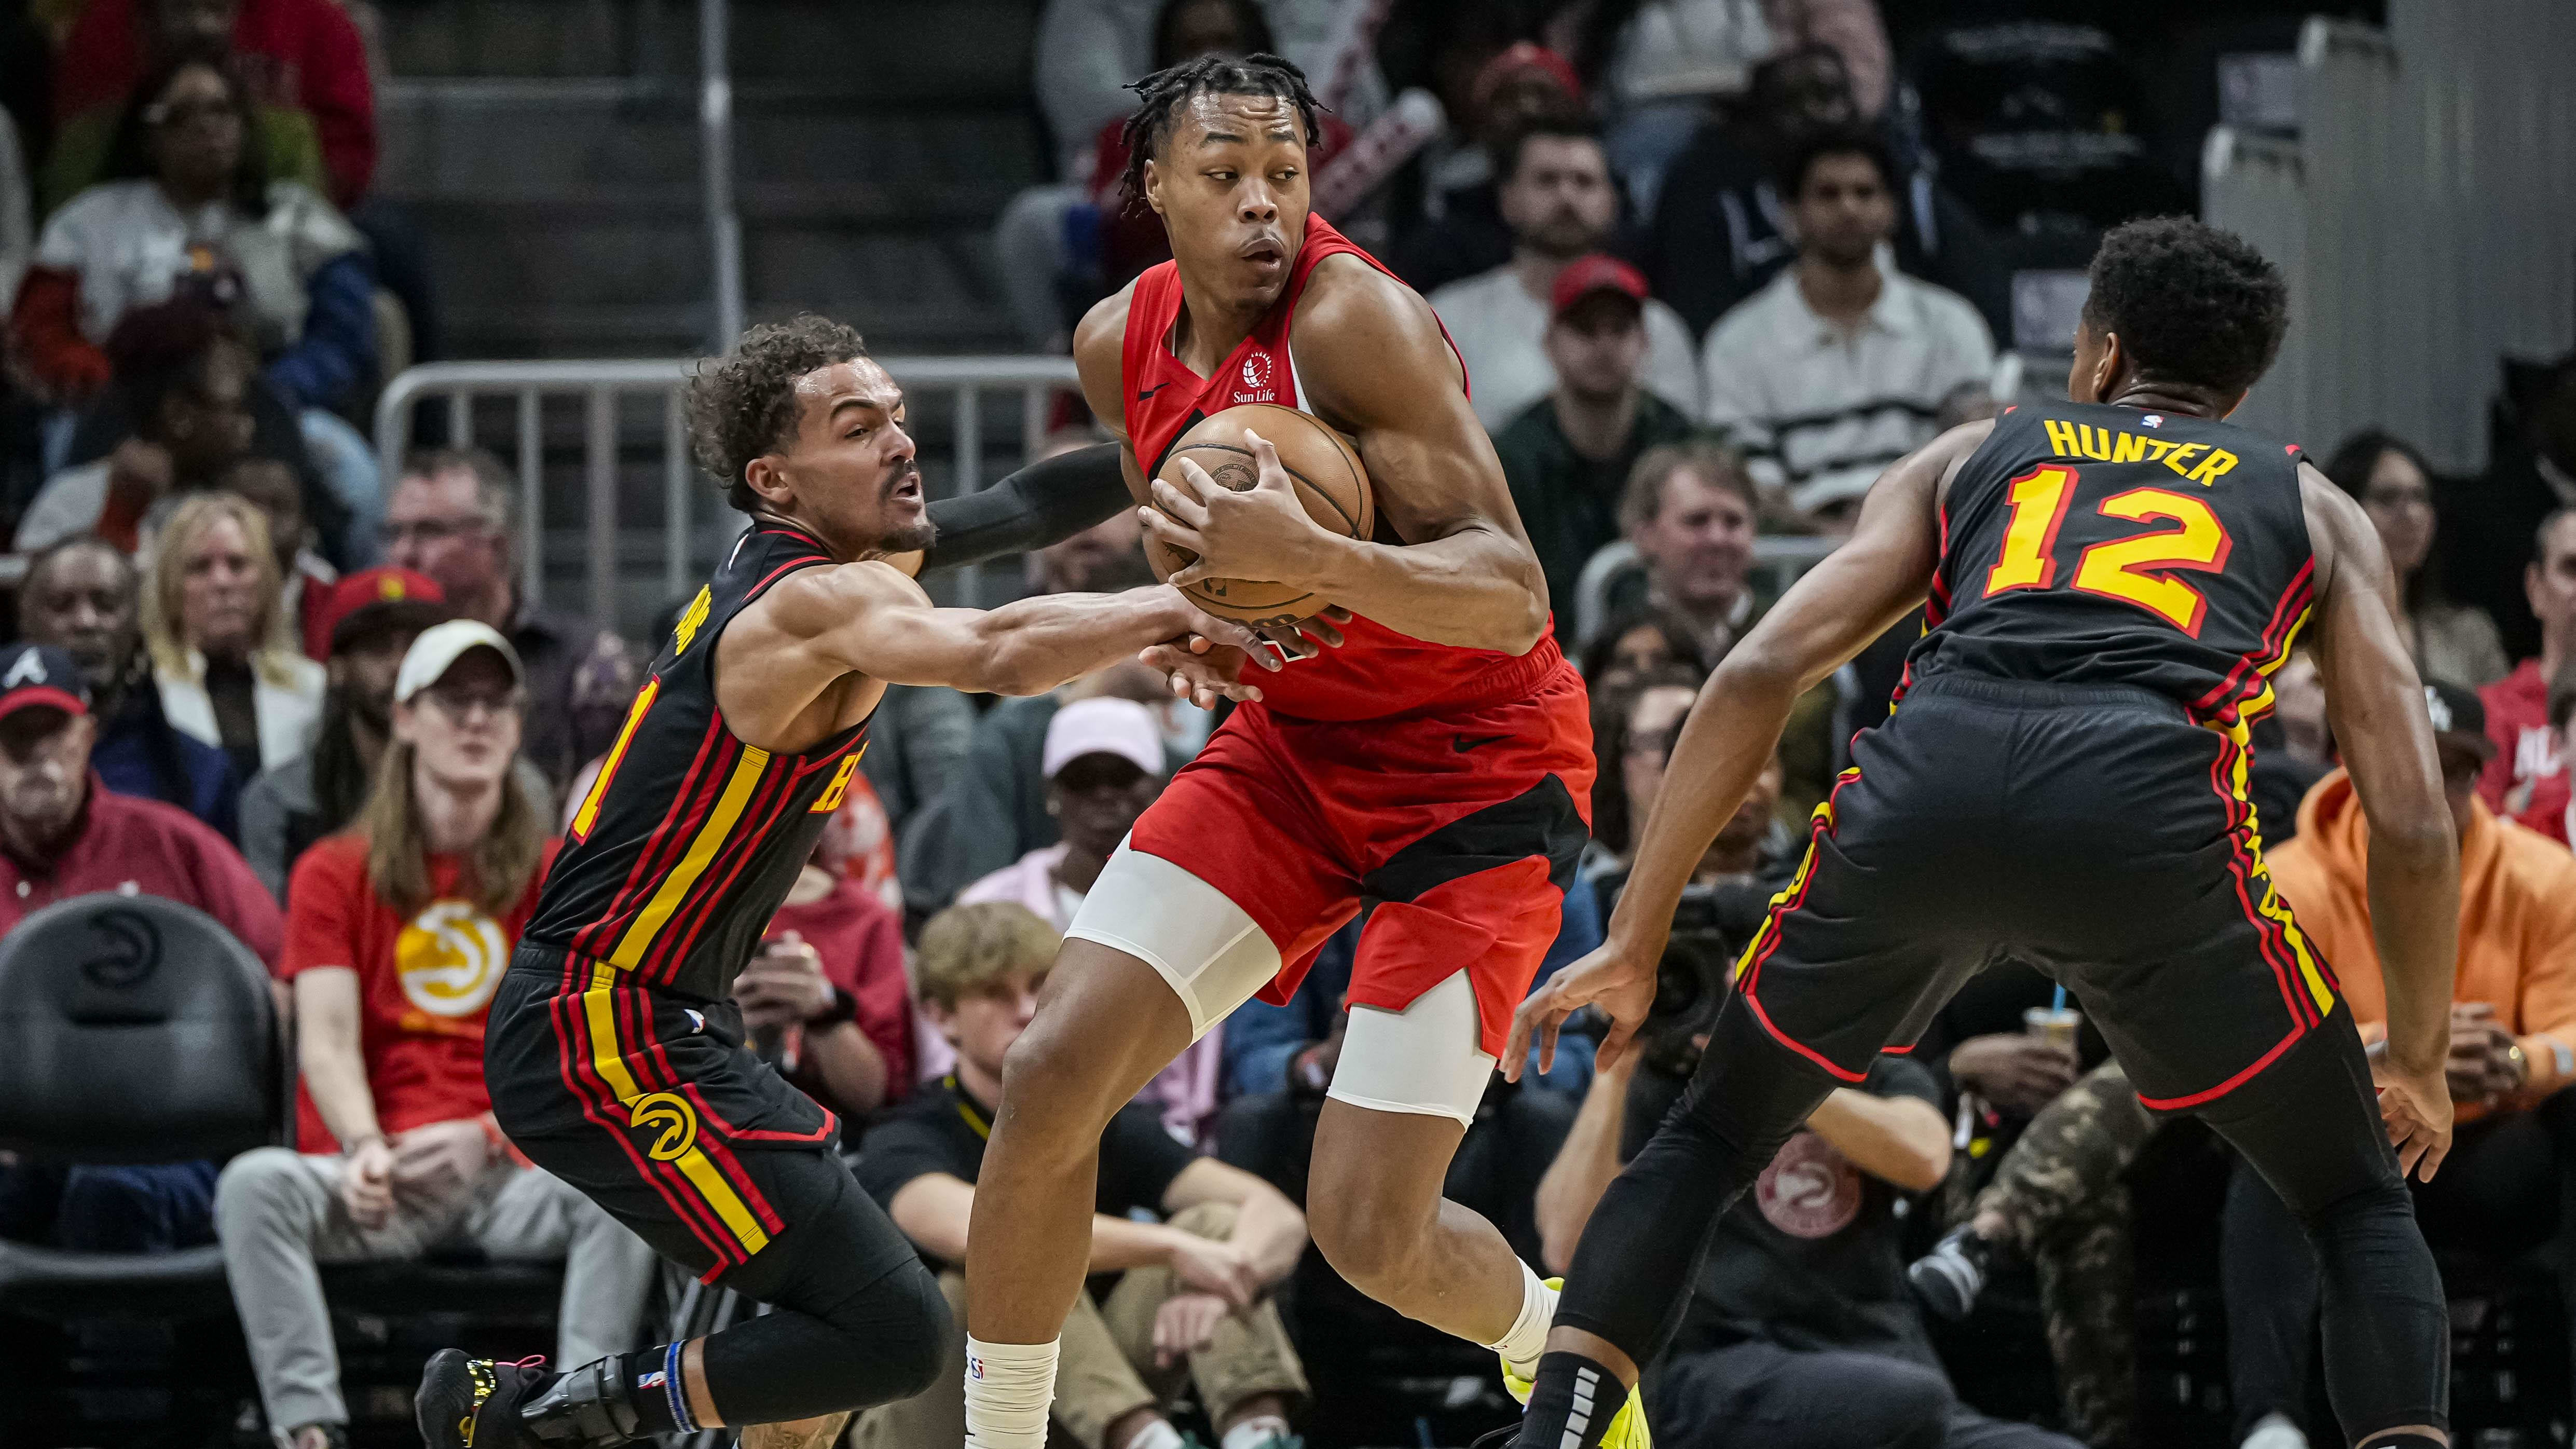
(2110, 583)
(613, 1049)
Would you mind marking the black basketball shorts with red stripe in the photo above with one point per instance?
(649, 1103)
(2096, 832)
(2101, 834)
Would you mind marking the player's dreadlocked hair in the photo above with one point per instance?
(1161, 95)
(745, 405)
(2192, 304)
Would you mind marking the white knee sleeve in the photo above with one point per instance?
(1201, 942)
(1428, 1058)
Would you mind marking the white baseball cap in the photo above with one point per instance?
(1103, 726)
(440, 646)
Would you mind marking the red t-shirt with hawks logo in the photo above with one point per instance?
(424, 981)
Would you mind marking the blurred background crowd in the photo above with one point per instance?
(290, 649)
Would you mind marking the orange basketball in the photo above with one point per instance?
(1329, 481)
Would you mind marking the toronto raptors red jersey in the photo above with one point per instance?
(1377, 672)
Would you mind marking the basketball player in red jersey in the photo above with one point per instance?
(1438, 762)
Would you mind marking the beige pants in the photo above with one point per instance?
(1105, 1369)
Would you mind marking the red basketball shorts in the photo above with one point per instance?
(1463, 822)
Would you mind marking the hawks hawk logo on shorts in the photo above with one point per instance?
(673, 1115)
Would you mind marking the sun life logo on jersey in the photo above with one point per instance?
(673, 1116)
(1256, 375)
(449, 958)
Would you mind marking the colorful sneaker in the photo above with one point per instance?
(473, 1403)
(1627, 1430)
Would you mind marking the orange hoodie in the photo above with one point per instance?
(2517, 923)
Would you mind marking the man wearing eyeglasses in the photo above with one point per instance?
(450, 517)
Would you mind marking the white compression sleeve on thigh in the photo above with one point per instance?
(1202, 943)
(1009, 1387)
(1425, 1059)
(1522, 1346)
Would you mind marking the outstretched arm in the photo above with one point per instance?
(2375, 702)
(871, 619)
(1371, 360)
(1860, 591)
(1044, 503)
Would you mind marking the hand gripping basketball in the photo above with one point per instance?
(1260, 533)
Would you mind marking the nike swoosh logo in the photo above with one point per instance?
(1463, 743)
(1149, 392)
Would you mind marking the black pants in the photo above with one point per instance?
(652, 1107)
(2101, 835)
(2502, 1192)
(1780, 1398)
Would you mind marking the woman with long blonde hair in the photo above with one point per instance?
(214, 619)
(398, 931)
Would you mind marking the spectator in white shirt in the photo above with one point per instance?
(1558, 201)
(1840, 365)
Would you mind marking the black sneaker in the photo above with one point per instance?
(473, 1403)
(1948, 1279)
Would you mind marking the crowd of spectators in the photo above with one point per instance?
(184, 189)
(1711, 263)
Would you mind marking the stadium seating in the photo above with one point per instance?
(132, 1030)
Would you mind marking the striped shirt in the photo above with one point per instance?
(1820, 410)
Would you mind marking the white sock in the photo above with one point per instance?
(1254, 1432)
(1157, 1435)
(1522, 1346)
(1009, 1387)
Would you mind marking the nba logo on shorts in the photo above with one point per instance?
(654, 1380)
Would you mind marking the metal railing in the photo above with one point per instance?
(601, 386)
(715, 144)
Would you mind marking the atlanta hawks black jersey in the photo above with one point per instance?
(690, 838)
(2088, 544)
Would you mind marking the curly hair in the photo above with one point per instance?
(1161, 95)
(2192, 304)
(1789, 173)
(744, 404)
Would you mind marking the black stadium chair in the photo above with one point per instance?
(133, 1029)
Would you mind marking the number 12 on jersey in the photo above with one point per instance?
(2127, 569)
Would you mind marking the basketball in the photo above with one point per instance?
(1329, 481)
